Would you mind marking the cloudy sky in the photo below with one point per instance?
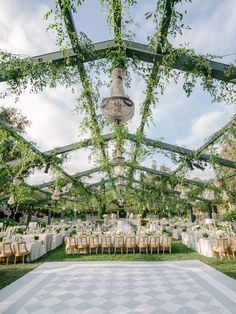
(178, 119)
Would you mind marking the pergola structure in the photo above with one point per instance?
(78, 56)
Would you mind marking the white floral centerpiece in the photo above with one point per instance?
(149, 232)
(196, 227)
(119, 233)
(220, 233)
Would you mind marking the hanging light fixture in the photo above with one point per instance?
(225, 196)
(119, 170)
(117, 107)
(56, 195)
(119, 158)
(120, 184)
(120, 200)
(183, 195)
(11, 200)
(17, 181)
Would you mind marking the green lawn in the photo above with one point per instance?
(180, 252)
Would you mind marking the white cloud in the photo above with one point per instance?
(203, 127)
(23, 29)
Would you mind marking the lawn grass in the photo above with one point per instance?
(180, 252)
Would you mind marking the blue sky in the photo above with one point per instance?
(178, 119)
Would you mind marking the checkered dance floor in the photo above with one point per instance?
(120, 287)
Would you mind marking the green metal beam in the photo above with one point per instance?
(85, 81)
(146, 141)
(133, 50)
(152, 82)
(184, 180)
(183, 151)
(75, 176)
(13, 132)
(212, 139)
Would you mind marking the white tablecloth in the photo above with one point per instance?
(205, 246)
(35, 250)
(56, 240)
(47, 240)
(176, 233)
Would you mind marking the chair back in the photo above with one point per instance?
(7, 248)
(119, 241)
(167, 240)
(72, 241)
(222, 243)
(154, 241)
(130, 241)
(20, 248)
(94, 240)
(106, 241)
(143, 241)
(82, 241)
(232, 242)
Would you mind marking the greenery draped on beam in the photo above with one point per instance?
(44, 159)
(87, 93)
(212, 139)
(153, 81)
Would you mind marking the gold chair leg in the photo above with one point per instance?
(15, 260)
(233, 255)
(7, 259)
(23, 259)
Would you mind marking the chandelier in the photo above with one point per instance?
(117, 107)
(11, 200)
(120, 184)
(17, 181)
(56, 195)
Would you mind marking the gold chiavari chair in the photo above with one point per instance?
(6, 251)
(119, 243)
(166, 243)
(232, 246)
(21, 251)
(106, 243)
(221, 248)
(154, 243)
(82, 243)
(130, 243)
(71, 245)
(94, 243)
(143, 243)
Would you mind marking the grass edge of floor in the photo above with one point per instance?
(180, 252)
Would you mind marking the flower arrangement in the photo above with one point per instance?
(220, 233)
(205, 235)
(149, 232)
(196, 227)
(58, 230)
(72, 232)
(166, 231)
(119, 233)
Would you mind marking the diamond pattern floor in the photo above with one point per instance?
(125, 287)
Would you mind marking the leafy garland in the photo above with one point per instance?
(21, 74)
